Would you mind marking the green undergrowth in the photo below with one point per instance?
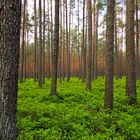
(76, 114)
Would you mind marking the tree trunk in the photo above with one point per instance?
(26, 40)
(67, 45)
(23, 44)
(85, 50)
(28, 54)
(83, 44)
(40, 82)
(69, 38)
(137, 43)
(89, 56)
(130, 52)
(56, 50)
(60, 45)
(78, 41)
(44, 29)
(94, 39)
(52, 43)
(25, 49)
(108, 102)
(10, 16)
(63, 49)
(96, 42)
(116, 43)
(35, 42)
(49, 61)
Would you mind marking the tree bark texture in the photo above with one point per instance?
(130, 51)
(108, 102)
(89, 55)
(55, 50)
(10, 16)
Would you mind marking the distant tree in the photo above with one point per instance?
(89, 56)
(48, 50)
(35, 41)
(130, 52)
(67, 44)
(83, 58)
(116, 42)
(137, 42)
(22, 66)
(10, 16)
(78, 40)
(94, 40)
(26, 40)
(52, 34)
(55, 51)
(60, 44)
(69, 40)
(109, 47)
(63, 41)
(40, 82)
(44, 39)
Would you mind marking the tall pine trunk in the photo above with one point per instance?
(35, 42)
(83, 58)
(137, 43)
(44, 42)
(23, 43)
(67, 45)
(10, 16)
(130, 52)
(55, 50)
(89, 55)
(49, 59)
(108, 101)
(116, 43)
(40, 82)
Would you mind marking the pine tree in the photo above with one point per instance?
(10, 16)
(130, 52)
(109, 47)
(89, 56)
(55, 50)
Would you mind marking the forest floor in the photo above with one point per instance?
(76, 114)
